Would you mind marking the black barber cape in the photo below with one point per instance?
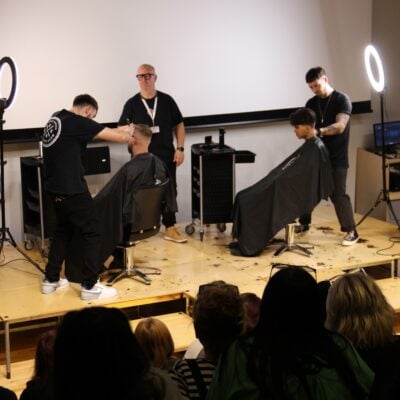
(115, 207)
(291, 189)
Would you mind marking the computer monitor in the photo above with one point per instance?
(391, 132)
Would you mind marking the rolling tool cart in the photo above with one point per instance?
(213, 183)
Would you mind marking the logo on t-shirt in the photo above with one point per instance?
(51, 132)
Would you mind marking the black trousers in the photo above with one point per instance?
(75, 212)
(169, 218)
(341, 201)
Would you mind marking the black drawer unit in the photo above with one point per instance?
(213, 185)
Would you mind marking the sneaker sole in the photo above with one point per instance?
(175, 240)
(350, 243)
(96, 296)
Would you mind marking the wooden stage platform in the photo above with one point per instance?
(186, 266)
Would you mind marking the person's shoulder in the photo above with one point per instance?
(133, 99)
(341, 95)
(165, 96)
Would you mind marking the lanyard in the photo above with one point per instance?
(152, 113)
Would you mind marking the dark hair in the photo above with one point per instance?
(290, 338)
(303, 116)
(97, 356)
(217, 316)
(251, 305)
(44, 357)
(85, 100)
(314, 73)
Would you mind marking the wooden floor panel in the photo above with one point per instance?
(186, 266)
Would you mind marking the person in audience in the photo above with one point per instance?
(290, 355)
(97, 357)
(7, 394)
(218, 320)
(251, 304)
(357, 309)
(40, 386)
(156, 340)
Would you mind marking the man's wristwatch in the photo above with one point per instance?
(181, 148)
(319, 133)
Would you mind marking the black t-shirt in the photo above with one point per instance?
(326, 110)
(65, 138)
(167, 117)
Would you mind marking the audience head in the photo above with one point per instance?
(218, 317)
(97, 356)
(251, 304)
(44, 356)
(357, 308)
(156, 340)
(290, 301)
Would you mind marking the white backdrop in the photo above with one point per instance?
(214, 56)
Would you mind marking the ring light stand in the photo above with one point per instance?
(5, 234)
(370, 54)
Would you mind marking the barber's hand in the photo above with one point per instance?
(179, 157)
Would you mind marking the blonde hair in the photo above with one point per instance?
(357, 308)
(156, 340)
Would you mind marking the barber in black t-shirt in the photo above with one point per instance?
(333, 110)
(65, 139)
(159, 111)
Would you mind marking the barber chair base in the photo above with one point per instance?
(291, 247)
(134, 273)
(130, 270)
(289, 244)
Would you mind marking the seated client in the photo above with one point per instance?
(291, 189)
(115, 203)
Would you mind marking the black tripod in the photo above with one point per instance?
(383, 195)
(5, 234)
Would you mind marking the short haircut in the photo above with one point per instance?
(303, 116)
(357, 309)
(144, 130)
(218, 316)
(148, 66)
(314, 73)
(85, 100)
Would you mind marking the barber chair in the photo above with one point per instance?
(289, 244)
(148, 206)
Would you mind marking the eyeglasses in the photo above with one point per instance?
(350, 271)
(218, 285)
(146, 76)
(278, 267)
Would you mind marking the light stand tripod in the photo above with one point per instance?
(379, 85)
(5, 234)
(383, 195)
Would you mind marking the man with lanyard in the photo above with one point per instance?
(333, 110)
(65, 138)
(161, 113)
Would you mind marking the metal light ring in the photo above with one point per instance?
(379, 84)
(13, 68)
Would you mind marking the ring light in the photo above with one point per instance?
(369, 54)
(10, 99)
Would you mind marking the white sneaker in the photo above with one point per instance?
(50, 287)
(98, 291)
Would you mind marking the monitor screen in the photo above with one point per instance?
(391, 132)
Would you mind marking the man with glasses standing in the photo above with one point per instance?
(161, 113)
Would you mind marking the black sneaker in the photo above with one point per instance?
(351, 238)
(300, 228)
